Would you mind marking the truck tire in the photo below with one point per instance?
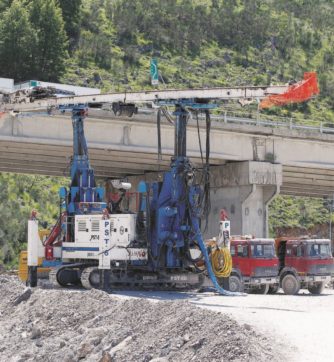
(273, 289)
(316, 288)
(235, 284)
(290, 284)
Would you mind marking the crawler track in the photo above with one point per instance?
(89, 277)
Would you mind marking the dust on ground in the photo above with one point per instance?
(72, 325)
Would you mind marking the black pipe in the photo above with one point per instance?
(32, 276)
(180, 142)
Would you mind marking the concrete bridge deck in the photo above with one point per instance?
(121, 146)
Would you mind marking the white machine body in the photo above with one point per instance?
(86, 243)
(89, 239)
(123, 229)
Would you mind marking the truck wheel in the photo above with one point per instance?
(273, 289)
(290, 284)
(235, 284)
(316, 288)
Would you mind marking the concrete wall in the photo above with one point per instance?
(244, 190)
(246, 207)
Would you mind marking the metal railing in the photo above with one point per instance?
(275, 122)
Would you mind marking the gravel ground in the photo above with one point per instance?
(72, 325)
(302, 325)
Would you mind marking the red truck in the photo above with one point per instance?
(255, 265)
(303, 263)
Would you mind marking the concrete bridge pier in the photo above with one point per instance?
(244, 190)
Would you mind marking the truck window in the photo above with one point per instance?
(232, 250)
(319, 250)
(299, 251)
(242, 251)
(263, 250)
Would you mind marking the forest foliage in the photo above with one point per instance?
(109, 44)
(19, 195)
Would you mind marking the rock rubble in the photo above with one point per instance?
(78, 325)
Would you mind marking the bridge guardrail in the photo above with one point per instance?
(276, 122)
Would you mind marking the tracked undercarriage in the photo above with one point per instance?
(122, 279)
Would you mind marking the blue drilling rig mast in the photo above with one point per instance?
(83, 196)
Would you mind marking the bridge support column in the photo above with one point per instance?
(244, 190)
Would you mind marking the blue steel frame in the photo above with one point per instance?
(172, 233)
(175, 205)
(83, 197)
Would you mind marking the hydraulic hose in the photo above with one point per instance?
(221, 261)
(199, 239)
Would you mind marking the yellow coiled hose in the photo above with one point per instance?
(221, 261)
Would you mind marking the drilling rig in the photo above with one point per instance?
(161, 246)
(98, 245)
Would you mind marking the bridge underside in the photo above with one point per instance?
(304, 181)
(52, 160)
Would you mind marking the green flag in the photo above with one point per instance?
(154, 71)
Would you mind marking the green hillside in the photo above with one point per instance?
(19, 195)
(109, 44)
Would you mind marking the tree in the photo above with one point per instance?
(5, 4)
(19, 195)
(288, 212)
(97, 41)
(71, 10)
(50, 50)
(17, 39)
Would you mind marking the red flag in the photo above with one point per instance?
(298, 92)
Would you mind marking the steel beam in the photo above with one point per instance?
(155, 95)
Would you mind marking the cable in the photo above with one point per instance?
(199, 139)
(208, 264)
(194, 220)
(167, 115)
(206, 173)
(221, 261)
(159, 136)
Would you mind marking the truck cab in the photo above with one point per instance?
(305, 263)
(255, 265)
